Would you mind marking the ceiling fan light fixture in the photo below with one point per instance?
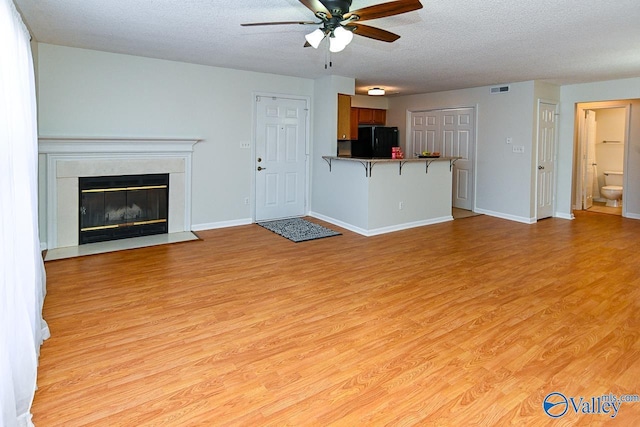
(339, 39)
(343, 36)
(376, 91)
(335, 45)
(314, 38)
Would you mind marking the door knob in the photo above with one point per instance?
(540, 167)
(259, 159)
(260, 168)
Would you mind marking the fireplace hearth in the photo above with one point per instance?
(119, 207)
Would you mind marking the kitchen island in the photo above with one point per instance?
(379, 195)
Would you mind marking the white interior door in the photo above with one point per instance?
(457, 130)
(424, 131)
(281, 160)
(546, 149)
(589, 159)
(450, 132)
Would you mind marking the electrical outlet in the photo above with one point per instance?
(246, 200)
(518, 149)
(509, 140)
(400, 205)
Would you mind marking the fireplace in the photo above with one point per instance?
(64, 160)
(119, 207)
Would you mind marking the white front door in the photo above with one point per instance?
(546, 154)
(281, 160)
(450, 132)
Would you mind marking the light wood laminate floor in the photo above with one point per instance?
(462, 323)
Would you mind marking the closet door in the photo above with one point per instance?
(452, 133)
(457, 131)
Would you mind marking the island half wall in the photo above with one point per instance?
(376, 196)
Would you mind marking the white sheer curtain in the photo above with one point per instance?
(22, 276)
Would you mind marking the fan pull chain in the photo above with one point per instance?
(327, 58)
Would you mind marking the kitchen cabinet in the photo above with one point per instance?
(344, 117)
(372, 116)
(354, 123)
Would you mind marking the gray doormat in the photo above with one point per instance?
(298, 229)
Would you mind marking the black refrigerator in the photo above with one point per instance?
(374, 141)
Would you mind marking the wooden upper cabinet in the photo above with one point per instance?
(372, 116)
(344, 117)
(354, 123)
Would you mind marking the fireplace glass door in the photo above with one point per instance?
(117, 207)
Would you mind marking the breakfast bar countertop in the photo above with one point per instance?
(368, 162)
(387, 159)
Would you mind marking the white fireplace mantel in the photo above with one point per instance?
(69, 158)
(86, 145)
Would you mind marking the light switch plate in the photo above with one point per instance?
(518, 148)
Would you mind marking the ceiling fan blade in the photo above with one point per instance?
(316, 6)
(372, 32)
(384, 9)
(254, 24)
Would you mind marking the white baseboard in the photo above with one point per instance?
(632, 215)
(407, 225)
(381, 230)
(516, 218)
(221, 224)
(564, 215)
(339, 223)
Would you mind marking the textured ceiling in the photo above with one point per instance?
(449, 44)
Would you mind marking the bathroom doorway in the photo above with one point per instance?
(602, 131)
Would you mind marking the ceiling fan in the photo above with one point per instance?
(339, 24)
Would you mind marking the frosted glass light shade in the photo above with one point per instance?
(376, 91)
(343, 36)
(314, 38)
(339, 39)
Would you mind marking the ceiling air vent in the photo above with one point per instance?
(500, 89)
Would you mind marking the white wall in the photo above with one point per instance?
(610, 90)
(610, 126)
(91, 93)
(324, 201)
(504, 180)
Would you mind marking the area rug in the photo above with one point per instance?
(298, 229)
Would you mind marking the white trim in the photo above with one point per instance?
(516, 218)
(381, 230)
(74, 144)
(562, 215)
(221, 224)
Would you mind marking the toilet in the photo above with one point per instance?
(612, 190)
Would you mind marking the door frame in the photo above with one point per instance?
(579, 141)
(307, 145)
(474, 144)
(555, 154)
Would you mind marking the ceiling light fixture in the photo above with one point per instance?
(376, 91)
(314, 38)
(339, 38)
